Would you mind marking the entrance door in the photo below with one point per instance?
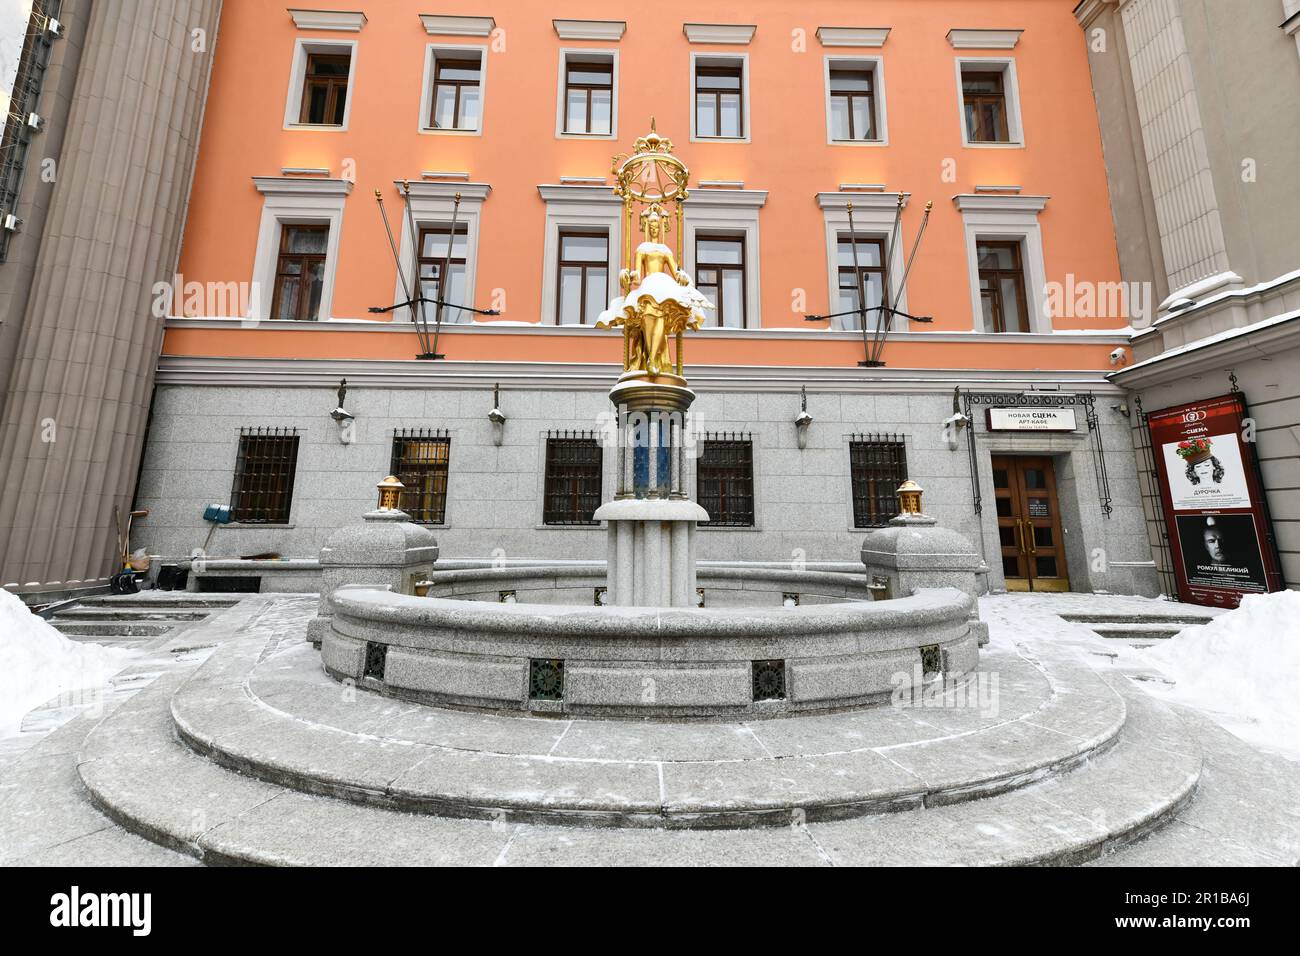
(1029, 524)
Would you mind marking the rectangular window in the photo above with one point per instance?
(264, 473)
(435, 244)
(300, 273)
(1002, 286)
(719, 99)
(863, 285)
(325, 89)
(720, 277)
(724, 481)
(583, 286)
(853, 104)
(573, 478)
(877, 466)
(420, 460)
(457, 92)
(984, 104)
(589, 96)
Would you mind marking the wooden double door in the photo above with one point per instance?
(1029, 524)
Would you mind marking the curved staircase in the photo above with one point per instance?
(257, 757)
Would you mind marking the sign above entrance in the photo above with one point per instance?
(1031, 419)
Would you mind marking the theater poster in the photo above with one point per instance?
(1220, 535)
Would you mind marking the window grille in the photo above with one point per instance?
(264, 474)
(573, 478)
(877, 466)
(724, 480)
(420, 462)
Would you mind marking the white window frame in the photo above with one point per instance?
(579, 52)
(728, 212)
(431, 53)
(1010, 92)
(431, 206)
(729, 58)
(584, 208)
(876, 65)
(873, 218)
(291, 201)
(298, 79)
(1002, 218)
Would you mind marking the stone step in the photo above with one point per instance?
(1142, 631)
(112, 629)
(286, 722)
(140, 775)
(149, 600)
(112, 613)
(1177, 620)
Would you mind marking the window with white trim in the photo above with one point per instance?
(862, 269)
(719, 97)
(855, 101)
(297, 247)
(433, 209)
(989, 100)
(321, 82)
(588, 94)
(721, 253)
(456, 99)
(1004, 255)
(581, 220)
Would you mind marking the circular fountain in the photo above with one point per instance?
(636, 634)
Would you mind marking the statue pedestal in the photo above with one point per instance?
(652, 520)
(386, 551)
(651, 551)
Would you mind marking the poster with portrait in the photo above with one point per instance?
(1220, 534)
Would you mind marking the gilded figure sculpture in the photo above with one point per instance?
(657, 300)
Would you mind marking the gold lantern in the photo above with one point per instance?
(390, 493)
(909, 497)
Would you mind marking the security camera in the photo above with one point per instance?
(1118, 356)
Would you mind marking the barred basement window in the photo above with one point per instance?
(420, 460)
(877, 466)
(724, 480)
(573, 478)
(264, 472)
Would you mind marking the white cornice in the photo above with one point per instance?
(853, 36)
(745, 198)
(984, 39)
(349, 21)
(437, 24)
(575, 192)
(772, 333)
(1214, 353)
(1088, 11)
(297, 186)
(735, 33)
(861, 200)
(425, 189)
(607, 30)
(319, 373)
(993, 202)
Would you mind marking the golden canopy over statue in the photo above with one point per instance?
(657, 301)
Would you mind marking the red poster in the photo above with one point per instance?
(1221, 540)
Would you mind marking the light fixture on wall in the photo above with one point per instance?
(496, 417)
(803, 420)
(954, 423)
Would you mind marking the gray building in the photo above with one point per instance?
(97, 162)
(1196, 100)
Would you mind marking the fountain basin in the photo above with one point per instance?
(653, 662)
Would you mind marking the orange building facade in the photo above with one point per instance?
(989, 388)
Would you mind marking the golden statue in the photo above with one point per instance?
(657, 300)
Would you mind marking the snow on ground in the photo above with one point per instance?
(1242, 669)
(38, 663)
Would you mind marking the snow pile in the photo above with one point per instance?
(38, 663)
(1242, 668)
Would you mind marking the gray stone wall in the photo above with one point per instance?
(803, 499)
